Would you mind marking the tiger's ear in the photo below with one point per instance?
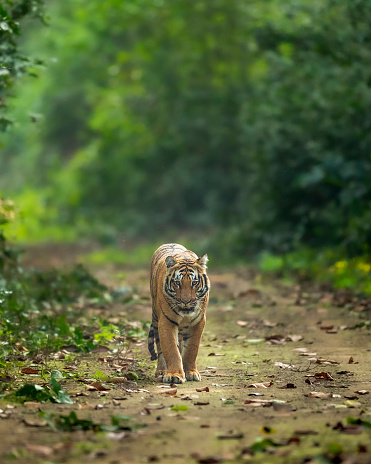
(203, 261)
(170, 261)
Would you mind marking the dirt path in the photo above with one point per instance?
(265, 350)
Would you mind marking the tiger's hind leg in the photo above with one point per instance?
(161, 364)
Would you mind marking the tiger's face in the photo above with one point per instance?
(186, 282)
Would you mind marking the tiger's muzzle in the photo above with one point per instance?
(187, 307)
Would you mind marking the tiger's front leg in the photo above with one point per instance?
(168, 333)
(191, 346)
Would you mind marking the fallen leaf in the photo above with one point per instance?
(204, 389)
(242, 323)
(258, 402)
(250, 292)
(97, 386)
(255, 341)
(352, 403)
(326, 327)
(325, 361)
(117, 380)
(276, 337)
(35, 422)
(306, 432)
(351, 360)
(294, 338)
(69, 348)
(201, 403)
(31, 404)
(169, 391)
(116, 435)
(284, 366)
(269, 324)
(260, 385)
(231, 436)
(362, 392)
(101, 349)
(39, 449)
(216, 354)
(348, 429)
(323, 376)
(300, 350)
(29, 370)
(155, 407)
(314, 394)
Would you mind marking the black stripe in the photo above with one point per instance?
(168, 318)
(198, 315)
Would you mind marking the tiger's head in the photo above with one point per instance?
(186, 282)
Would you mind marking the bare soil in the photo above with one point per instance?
(282, 370)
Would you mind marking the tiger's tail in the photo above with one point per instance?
(151, 343)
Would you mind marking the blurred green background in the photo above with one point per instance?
(243, 125)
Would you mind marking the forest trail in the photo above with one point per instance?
(285, 379)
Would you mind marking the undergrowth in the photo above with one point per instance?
(43, 311)
(329, 266)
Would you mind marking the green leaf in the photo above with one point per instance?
(58, 395)
(182, 407)
(364, 423)
(335, 449)
(261, 444)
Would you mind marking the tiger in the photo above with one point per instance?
(180, 294)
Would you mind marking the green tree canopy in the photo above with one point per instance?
(246, 120)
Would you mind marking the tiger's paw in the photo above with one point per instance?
(159, 375)
(193, 376)
(173, 378)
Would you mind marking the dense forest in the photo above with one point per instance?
(243, 122)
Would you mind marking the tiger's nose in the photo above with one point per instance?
(188, 301)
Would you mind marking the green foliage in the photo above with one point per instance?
(366, 423)
(54, 393)
(107, 332)
(7, 212)
(245, 123)
(37, 308)
(327, 266)
(182, 407)
(13, 63)
(71, 422)
(261, 444)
